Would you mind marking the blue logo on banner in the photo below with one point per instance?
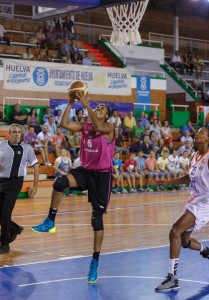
(40, 76)
(143, 91)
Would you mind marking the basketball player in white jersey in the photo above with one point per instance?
(196, 212)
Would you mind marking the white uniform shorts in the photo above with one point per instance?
(199, 207)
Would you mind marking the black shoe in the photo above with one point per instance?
(4, 248)
(14, 233)
(205, 253)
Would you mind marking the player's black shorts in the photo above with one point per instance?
(98, 185)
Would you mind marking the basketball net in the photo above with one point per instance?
(125, 20)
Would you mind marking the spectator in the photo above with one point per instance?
(197, 84)
(176, 62)
(44, 140)
(41, 38)
(198, 64)
(32, 120)
(69, 24)
(30, 137)
(74, 49)
(155, 127)
(146, 147)
(166, 132)
(141, 165)
(188, 127)
(58, 142)
(58, 117)
(115, 119)
(146, 121)
(118, 174)
(174, 164)
(18, 117)
(79, 115)
(129, 168)
(186, 137)
(65, 48)
(74, 142)
(28, 55)
(146, 133)
(62, 164)
(187, 60)
(66, 34)
(52, 127)
(128, 123)
(119, 143)
(138, 130)
(77, 59)
(184, 163)
(151, 166)
(155, 117)
(47, 114)
(51, 38)
(2, 37)
(86, 60)
(161, 145)
(186, 147)
(163, 166)
(154, 140)
(41, 55)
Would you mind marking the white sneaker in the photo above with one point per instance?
(124, 191)
(48, 163)
(149, 190)
(131, 190)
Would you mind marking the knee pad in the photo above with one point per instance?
(61, 184)
(97, 221)
(187, 246)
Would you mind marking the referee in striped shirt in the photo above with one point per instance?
(14, 158)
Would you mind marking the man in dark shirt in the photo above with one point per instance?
(18, 117)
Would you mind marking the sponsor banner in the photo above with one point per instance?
(55, 77)
(6, 9)
(142, 91)
(121, 107)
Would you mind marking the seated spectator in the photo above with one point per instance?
(146, 147)
(151, 166)
(47, 114)
(187, 60)
(128, 123)
(188, 127)
(146, 133)
(129, 169)
(161, 145)
(197, 84)
(163, 165)
(154, 140)
(166, 132)
(65, 48)
(115, 119)
(155, 127)
(138, 130)
(186, 147)
(58, 142)
(2, 37)
(18, 117)
(51, 38)
(62, 164)
(30, 137)
(79, 115)
(69, 25)
(155, 117)
(171, 147)
(74, 142)
(184, 163)
(186, 137)
(174, 164)
(118, 174)
(74, 49)
(28, 55)
(119, 143)
(141, 166)
(176, 62)
(44, 140)
(52, 127)
(66, 34)
(58, 117)
(32, 120)
(77, 59)
(198, 64)
(146, 121)
(86, 60)
(41, 38)
(41, 55)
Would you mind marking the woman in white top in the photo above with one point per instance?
(196, 213)
(166, 132)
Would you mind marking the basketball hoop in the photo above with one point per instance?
(125, 20)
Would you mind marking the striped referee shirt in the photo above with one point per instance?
(14, 159)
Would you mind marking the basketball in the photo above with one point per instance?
(77, 87)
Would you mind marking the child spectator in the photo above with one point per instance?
(118, 174)
(130, 168)
(163, 166)
(62, 164)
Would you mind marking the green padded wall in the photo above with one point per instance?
(179, 118)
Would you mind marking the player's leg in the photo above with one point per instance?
(60, 184)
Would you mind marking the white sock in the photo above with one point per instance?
(173, 265)
(202, 247)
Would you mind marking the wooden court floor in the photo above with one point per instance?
(133, 221)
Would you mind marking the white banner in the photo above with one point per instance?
(6, 9)
(56, 77)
